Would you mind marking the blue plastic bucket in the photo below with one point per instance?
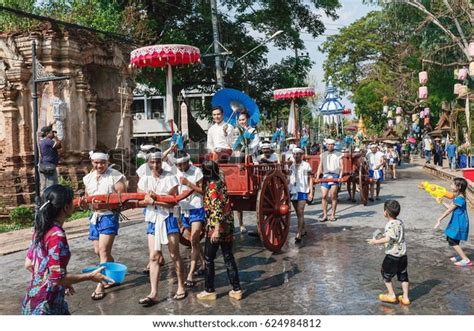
(115, 270)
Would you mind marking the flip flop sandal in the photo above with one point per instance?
(322, 220)
(97, 295)
(147, 302)
(333, 219)
(189, 283)
(181, 296)
(297, 240)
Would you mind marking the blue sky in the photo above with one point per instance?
(350, 11)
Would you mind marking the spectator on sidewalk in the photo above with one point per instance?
(438, 152)
(427, 147)
(451, 152)
(49, 157)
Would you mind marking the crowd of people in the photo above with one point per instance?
(208, 209)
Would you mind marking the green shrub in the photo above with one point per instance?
(22, 215)
(79, 214)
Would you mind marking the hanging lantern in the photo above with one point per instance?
(414, 117)
(398, 119)
(422, 114)
(470, 49)
(463, 90)
(471, 69)
(426, 111)
(426, 121)
(457, 86)
(385, 100)
(423, 77)
(423, 92)
(462, 74)
(385, 110)
(417, 122)
(390, 114)
(390, 123)
(399, 110)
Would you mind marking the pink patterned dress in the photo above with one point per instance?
(50, 259)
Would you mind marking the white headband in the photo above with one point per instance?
(183, 159)
(297, 150)
(266, 145)
(330, 141)
(97, 156)
(154, 156)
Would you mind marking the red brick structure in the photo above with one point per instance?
(97, 68)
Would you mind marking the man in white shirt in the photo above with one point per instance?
(376, 160)
(267, 156)
(330, 166)
(301, 188)
(104, 224)
(220, 136)
(428, 146)
(193, 216)
(162, 226)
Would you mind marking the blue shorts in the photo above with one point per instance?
(195, 215)
(300, 196)
(171, 226)
(106, 224)
(329, 185)
(371, 175)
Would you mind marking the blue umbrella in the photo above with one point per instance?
(228, 98)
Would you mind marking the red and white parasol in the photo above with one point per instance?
(165, 56)
(293, 93)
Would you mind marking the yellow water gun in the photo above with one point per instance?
(436, 191)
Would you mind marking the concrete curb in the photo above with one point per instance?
(16, 241)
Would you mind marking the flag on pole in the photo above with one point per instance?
(292, 120)
(184, 120)
(169, 114)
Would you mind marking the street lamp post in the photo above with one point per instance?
(34, 96)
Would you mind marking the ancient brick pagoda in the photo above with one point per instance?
(92, 111)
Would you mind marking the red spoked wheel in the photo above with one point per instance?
(273, 211)
(364, 181)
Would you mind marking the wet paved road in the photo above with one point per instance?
(333, 271)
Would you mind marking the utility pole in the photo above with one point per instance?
(217, 49)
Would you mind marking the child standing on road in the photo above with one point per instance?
(395, 262)
(458, 227)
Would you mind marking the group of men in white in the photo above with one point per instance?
(164, 174)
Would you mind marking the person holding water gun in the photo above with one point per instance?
(458, 227)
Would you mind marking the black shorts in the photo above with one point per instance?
(393, 265)
(453, 242)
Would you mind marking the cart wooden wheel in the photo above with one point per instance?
(273, 211)
(363, 181)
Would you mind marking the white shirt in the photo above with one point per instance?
(216, 138)
(194, 175)
(375, 160)
(160, 186)
(102, 184)
(299, 181)
(331, 162)
(158, 214)
(428, 144)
